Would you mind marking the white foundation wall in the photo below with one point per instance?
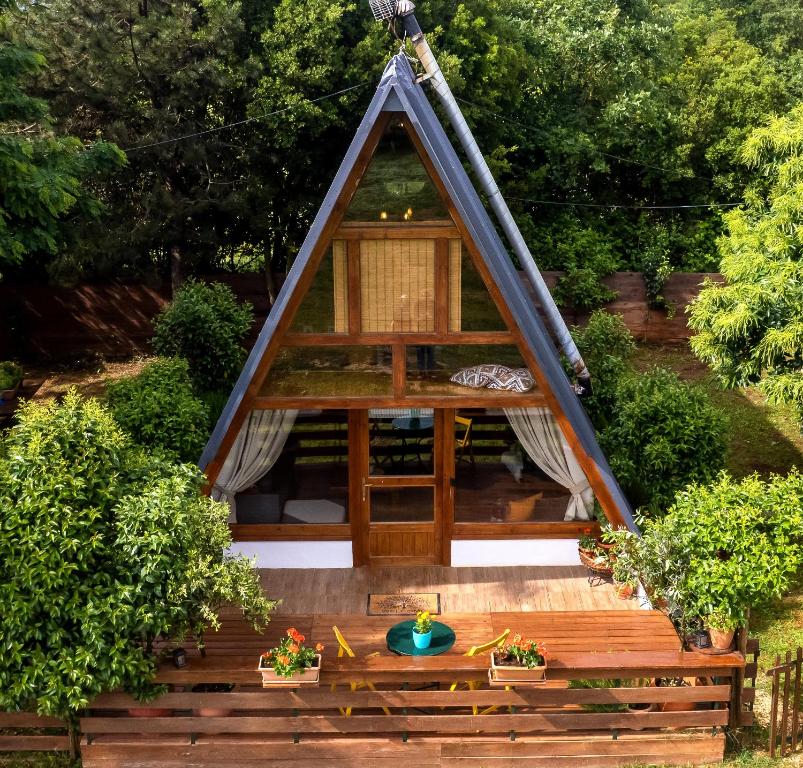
(515, 552)
(296, 554)
(337, 554)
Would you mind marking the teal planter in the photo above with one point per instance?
(422, 641)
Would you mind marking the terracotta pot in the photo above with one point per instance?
(623, 591)
(722, 640)
(211, 712)
(505, 673)
(310, 676)
(212, 688)
(149, 712)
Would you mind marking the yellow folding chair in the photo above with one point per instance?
(464, 445)
(476, 650)
(344, 649)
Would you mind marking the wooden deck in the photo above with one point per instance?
(462, 590)
(412, 715)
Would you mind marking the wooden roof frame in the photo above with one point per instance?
(398, 92)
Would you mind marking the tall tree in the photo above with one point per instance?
(42, 175)
(143, 74)
(750, 330)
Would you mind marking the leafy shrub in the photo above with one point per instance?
(586, 256)
(159, 409)
(206, 325)
(104, 549)
(722, 548)
(606, 345)
(10, 374)
(656, 267)
(663, 435)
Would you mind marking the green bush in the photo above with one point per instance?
(206, 325)
(10, 374)
(722, 548)
(586, 256)
(159, 409)
(663, 435)
(606, 346)
(105, 547)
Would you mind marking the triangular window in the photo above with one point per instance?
(471, 307)
(396, 186)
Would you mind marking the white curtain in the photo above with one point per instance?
(258, 445)
(540, 435)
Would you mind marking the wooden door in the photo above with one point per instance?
(400, 489)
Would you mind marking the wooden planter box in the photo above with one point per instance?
(504, 673)
(310, 676)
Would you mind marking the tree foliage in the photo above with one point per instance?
(159, 409)
(750, 330)
(105, 547)
(206, 325)
(589, 102)
(42, 175)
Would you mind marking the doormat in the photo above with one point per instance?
(404, 605)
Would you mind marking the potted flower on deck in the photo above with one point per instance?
(519, 661)
(291, 662)
(422, 630)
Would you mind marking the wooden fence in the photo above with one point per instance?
(28, 732)
(432, 727)
(40, 322)
(785, 718)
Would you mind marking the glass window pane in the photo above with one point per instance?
(330, 372)
(308, 484)
(430, 369)
(324, 308)
(396, 186)
(397, 286)
(471, 307)
(495, 480)
(400, 441)
(413, 504)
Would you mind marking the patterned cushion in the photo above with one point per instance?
(495, 376)
(478, 375)
(515, 380)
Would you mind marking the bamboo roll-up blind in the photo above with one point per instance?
(397, 286)
(455, 285)
(340, 280)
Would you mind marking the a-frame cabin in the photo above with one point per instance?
(404, 403)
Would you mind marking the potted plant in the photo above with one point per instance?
(675, 682)
(519, 660)
(624, 581)
(10, 379)
(721, 627)
(593, 556)
(422, 630)
(291, 662)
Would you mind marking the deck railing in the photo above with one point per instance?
(29, 732)
(636, 721)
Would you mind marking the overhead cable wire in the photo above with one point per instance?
(536, 129)
(241, 122)
(614, 206)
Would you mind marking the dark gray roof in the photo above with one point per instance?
(398, 91)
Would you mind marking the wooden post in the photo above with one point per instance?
(785, 706)
(796, 702)
(737, 682)
(774, 708)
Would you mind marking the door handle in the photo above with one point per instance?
(364, 486)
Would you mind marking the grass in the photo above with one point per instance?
(763, 438)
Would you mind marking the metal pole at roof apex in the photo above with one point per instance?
(388, 10)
